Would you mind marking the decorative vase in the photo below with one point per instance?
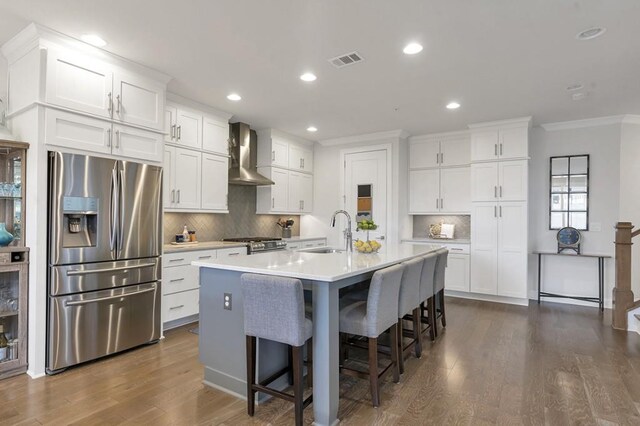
(5, 236)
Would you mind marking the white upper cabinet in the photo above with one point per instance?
(499, 181)
(187, 179)
(300, 192)
(215, 135)
(79, 82)
(279, 152)
(424, 191)
(75, 131)
(455, 190)
(443, 150)
(273, 198)
(138, 100)
(215, 178)
(168, 178)
(136, 143)
(188, 131)
(307, 193)
(500, 140)
(424, 154)
(300, 158)
(169, 129)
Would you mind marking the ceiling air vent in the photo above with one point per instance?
(346, 59)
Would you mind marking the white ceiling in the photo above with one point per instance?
(498, 58)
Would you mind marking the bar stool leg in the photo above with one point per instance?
(251, 374)
(417, 335)
(400, 345)
(433, 328)
(443, 317)
(373, 371)
(394, 353)
(310, 362)
(290, 373)
(298, 383)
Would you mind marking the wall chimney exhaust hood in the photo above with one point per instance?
(243, 152)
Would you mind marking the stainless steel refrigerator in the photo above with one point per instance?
(105, 242)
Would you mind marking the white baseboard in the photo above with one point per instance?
(487, 297)
(35, 375)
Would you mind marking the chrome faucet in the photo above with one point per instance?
(347, 232)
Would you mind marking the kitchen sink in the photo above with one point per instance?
(324, 250)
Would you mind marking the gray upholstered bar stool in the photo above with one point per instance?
(372, 318)
(274, 310)
(409, 308)
(438, 288)
(427, 279)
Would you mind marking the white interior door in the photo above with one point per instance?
(363, 171)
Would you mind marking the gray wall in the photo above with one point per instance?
(242, 220)
(575, 276)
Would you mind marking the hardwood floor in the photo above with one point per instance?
(495, 364)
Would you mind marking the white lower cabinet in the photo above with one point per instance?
(499, 249)
(457, 272)
(181, 283)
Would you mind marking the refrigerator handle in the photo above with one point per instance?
(113, 207)
(121, 210)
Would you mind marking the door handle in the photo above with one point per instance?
(75, 272)
(121, 208)
(118, 104)
(103, 299)
(302, 204)
(301, 166)
(176, 260)
(113, 207)
(381, 237)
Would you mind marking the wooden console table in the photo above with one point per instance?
(601, 257)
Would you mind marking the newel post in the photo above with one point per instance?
(622, 294)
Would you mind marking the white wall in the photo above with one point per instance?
(3, 82)
(630, 191)
(575, 276)
(327, 194)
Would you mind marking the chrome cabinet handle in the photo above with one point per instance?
(109, 138)
(118, 104)
(495, 211)
(442, 158)
(273, 202)
(500, 211)
(437, 158)
(441, 203)
(204, 257)
(173, 131)
(176, 260)
(110, 106)
(234, 254)
(301, 166)
(495, 192)
(173, 195)
(501, 149)
(436, 204)
(273, 156)
(303, 163)
(102, 299)
(73, 272)
(176, 280)
(178, 195)
(179, 132)
(302, 204)
(118, 139)
(455, 249)
(176, 307)
(500, 191)
(495, 150)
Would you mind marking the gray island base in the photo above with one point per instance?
(222, 339)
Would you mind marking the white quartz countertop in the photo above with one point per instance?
(202, 245)
(296, 239)
(319, 266)
(438, 240)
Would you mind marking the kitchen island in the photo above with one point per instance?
(222, 340)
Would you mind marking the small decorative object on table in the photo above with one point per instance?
(5, 236)
(441, 230)
(368, 246)
(286, 226)
(569, 238)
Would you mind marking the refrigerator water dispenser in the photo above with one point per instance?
(80, 221)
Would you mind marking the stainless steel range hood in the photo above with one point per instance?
(243, 151)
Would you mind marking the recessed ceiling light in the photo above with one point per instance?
(307, 76)
(234, 97)
(312, 129)
(453, 105)
(93, 39)
(574, 87)
(412, 48)
(591, 33)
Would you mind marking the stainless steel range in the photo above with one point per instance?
(260, 244)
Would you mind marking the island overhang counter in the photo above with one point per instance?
(222, 340)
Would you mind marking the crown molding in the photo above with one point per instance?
(368, 137)
(441, 136)
(173, 97)
(513, 122)
(592, 122)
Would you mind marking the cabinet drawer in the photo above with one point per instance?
(180, 278)
(180, 305)
(458, 248)
(236, 251)
(312, 243)
(185, 258)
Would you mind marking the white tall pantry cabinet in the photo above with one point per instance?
(499, 195)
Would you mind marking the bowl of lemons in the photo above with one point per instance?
(367, 246)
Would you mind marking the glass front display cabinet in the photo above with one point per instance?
(14, 260)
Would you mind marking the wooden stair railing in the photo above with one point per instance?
(622, 293)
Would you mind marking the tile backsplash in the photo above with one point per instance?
(462, 223)
(242, 220)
